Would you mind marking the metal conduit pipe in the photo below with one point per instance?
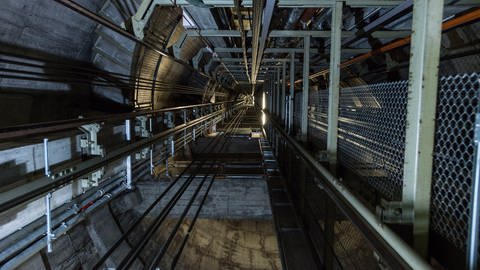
(390, 246)
(90, 196)
(62, 125)
(36, 241)
(91, 77)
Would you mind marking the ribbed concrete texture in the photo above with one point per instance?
(228, 198)
(225, 244)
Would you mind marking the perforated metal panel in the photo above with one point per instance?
(318, 118)
(371, 139)
(454, 156)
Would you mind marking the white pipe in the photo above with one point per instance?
(48, 212)
(66, 225)
(45, 157)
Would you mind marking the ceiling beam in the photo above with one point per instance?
(289, 50)
(294, 33)
(241, 60)
(286, 3)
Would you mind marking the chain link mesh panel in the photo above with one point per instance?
(318, 118)
(371, 140)
(351, 248)
(454, 156)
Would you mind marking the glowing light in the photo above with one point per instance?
(264, 119)
(263, 101)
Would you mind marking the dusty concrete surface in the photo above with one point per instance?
(225, 244)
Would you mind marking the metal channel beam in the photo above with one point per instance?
(294, 33)
(264, 60)
(334, 83)
(292, 92)
(306, 85)
(259, 48)
(286, 3)
(288, 50)
(282, 96)
(421, 109)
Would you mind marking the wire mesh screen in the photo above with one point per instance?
(297, 111)
(351, 248)
(317, 118)
(371, 139)
(454, 156)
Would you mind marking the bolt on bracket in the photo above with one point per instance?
(89, 142)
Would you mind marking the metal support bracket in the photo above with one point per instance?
(322, 156)
(394, 212)
(177, 47)
(92, 179)
(196, 59)
(142, 154)
(141, 128)
(168, 120)
(89, 142)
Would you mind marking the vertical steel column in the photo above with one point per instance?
(48, 209)
(292, 93)
(277, 94)
(274, 93)
(45, 157)
(152, 166)
(128, 161)
(270, 94)
(332, 130)
(48, 215)
(282, 97)
(272, 90)
(185, 130)
(474, 224)
(421, 109)
(334, 82)
(305, 93)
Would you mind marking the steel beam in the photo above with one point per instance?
(294, 33)
(334, 83)
(241, 60)
(292, 94)
(277, 93)
(421, 109)
(288, 50)
(259, 48)
(306, 85)
(282, 96)
(285, 3)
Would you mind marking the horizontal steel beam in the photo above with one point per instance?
(283, 50)
(294, 33)
(42, 128)
(240, 60)
(286, 3)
